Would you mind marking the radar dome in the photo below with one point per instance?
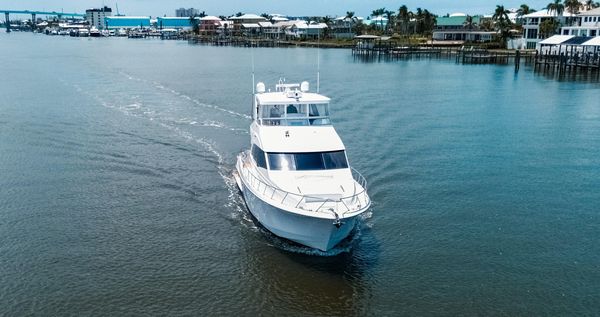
(260, 87)
(304, 86)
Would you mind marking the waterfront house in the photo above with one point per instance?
(303, 30)
(209, 25)
(268, 30)
(250, 29)
(247, 24)
(585, 24)
(343, 27)
(532, 22)
(458, 27)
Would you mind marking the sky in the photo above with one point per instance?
(291, 8)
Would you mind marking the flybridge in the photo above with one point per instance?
(290, 105)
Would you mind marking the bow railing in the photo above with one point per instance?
(337, 205)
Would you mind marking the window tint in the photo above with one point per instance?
(282, 162)
(307, 161)
(335, 159)
(259, 156)
(318, 110)
(272, 111)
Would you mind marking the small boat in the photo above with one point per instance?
(296, 179)
(84, 33)
(94, 32)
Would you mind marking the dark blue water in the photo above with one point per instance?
(116, 195)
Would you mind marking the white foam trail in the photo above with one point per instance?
(162, 87)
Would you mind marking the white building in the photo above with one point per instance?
(95, 17)
(183, 12)
(531, 25)
(585, 24)
(304, 30)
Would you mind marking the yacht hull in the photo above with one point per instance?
(313, 232)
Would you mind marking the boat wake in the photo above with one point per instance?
(184, 96)
(135, 107)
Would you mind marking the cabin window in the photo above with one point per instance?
(294, 114)
(282, 162)
(319, 114)
(307, 161)
(333, 160)
(259, 156)
(272, 114)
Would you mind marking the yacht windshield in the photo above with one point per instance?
(294, 114)
(307, 161)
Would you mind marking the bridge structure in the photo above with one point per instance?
(7, 14)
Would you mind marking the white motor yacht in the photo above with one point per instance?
(296, 179)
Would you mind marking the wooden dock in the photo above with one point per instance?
(237, 41)
(568, 63)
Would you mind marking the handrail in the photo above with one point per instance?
(341, 206)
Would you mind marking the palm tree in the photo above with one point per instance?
(502, 21)
(590, 4)
(501, 15)
(486, 25)
(573, 6)
(524, 10)
(429, 20)
(202, 14)
(349, 19)
(327, 20)
(358, 28)
(195, 23)
(378, 12)
(469, 24)
(404, 18)
(557, 7)
(418, 16)
(548, 27)
(390, 15)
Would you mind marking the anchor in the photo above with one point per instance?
(337, 222)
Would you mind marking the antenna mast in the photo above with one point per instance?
(318, 60)
(252, 53)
